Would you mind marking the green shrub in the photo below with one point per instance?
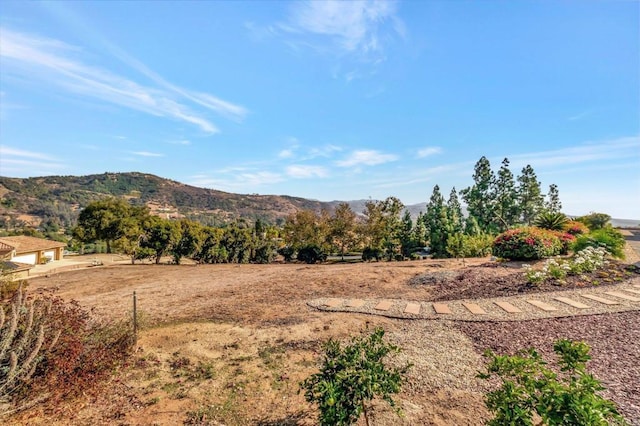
(608, 238)
(595, 220)
(311, 254)
(370, 253)
(351, 376)
(530, 388)
(576, 228)
(526, 243)
(461, 245)
(554, 221)
(287, 252)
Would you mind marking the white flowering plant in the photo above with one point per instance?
(585, 261)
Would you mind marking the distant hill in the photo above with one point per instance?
(31, 200)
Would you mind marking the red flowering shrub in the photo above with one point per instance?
(575, 228)
(526, 244)
(566, 239)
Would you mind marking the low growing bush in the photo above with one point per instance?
(461, 245)
(526, 243)
(311, 254)
(576, 228)
(370, 253)
(51, 349)
(566, 240)
(530, 388)
(608, 238)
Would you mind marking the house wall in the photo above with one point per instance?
(30, 258)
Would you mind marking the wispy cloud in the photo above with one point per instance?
(146, 154)
(246, 181)
(19, 161)
(620, 148)
(429, 151)
(580, 115)
(359, 26)
(366, 158)
(306, 171)
(183, 142)
(55, 62)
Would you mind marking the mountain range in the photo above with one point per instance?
(59, 198)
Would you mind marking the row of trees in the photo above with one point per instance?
(385, 229)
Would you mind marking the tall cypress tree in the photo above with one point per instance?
(530, 198)
(506, 213)
(454, 212)
(438, 227)
(478, 196)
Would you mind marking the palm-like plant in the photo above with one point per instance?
(554, 221)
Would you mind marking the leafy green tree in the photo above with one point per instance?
(237, 241)
(342, 229)
(351, 376)
(438, 225)
(392, 207)
(420, 231)
(305, 228)
(407, 241)
(529, 387)
(134, 227)
(530, 199)
(189, 242)
(102, 221)
(506, 212)
(478, 197)
(381, 226)
(553, 203)
(161, 236)
(211, 250)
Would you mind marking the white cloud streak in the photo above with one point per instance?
(366, 158)
(429, 151)
(51, 61)
(19, 162)
(146, 154)
(304, 171)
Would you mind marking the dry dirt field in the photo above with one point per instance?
(228, 344)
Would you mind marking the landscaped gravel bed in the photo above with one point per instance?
(614, 340)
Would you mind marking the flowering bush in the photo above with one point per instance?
(585, 261)
(526, 244)
(566, 239)
(576, 228)
(608, 238)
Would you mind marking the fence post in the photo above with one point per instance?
(135, 318)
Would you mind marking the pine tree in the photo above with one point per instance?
(407, 243)
(478, 197)
(438, 226)
(454, 212)
(506, 213)
(530, 198)
(553, 203)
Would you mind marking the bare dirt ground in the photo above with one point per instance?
(228, 344)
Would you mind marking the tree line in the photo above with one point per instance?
(384, 230)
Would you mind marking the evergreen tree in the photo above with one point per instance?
(438, 227)
(471, 227)
(420, 231)
(407, 242)
(553, 203)
(530, 198)
(478, 197)
(506, 213)
(454, 212)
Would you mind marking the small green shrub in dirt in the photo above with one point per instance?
(351, 376)
(608, 238)
(528, 243)
(461, 245)
(529, 388)
(575, 228)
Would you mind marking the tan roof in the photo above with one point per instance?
(24, 244)
(5, 248)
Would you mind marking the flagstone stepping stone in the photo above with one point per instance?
(474, 309)
(622, 296)
(636, 285)
(332, 303)
(542, 305)
(441, 308)
(631, 291)
(508, 307)
(412, 308)
(572, 302)
(600, 299)
(355, 303)
(385, 305)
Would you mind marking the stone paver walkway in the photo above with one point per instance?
(593, 300)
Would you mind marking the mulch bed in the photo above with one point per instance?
(498, 280)
(613, 339)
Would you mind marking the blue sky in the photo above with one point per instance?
(327, 100)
